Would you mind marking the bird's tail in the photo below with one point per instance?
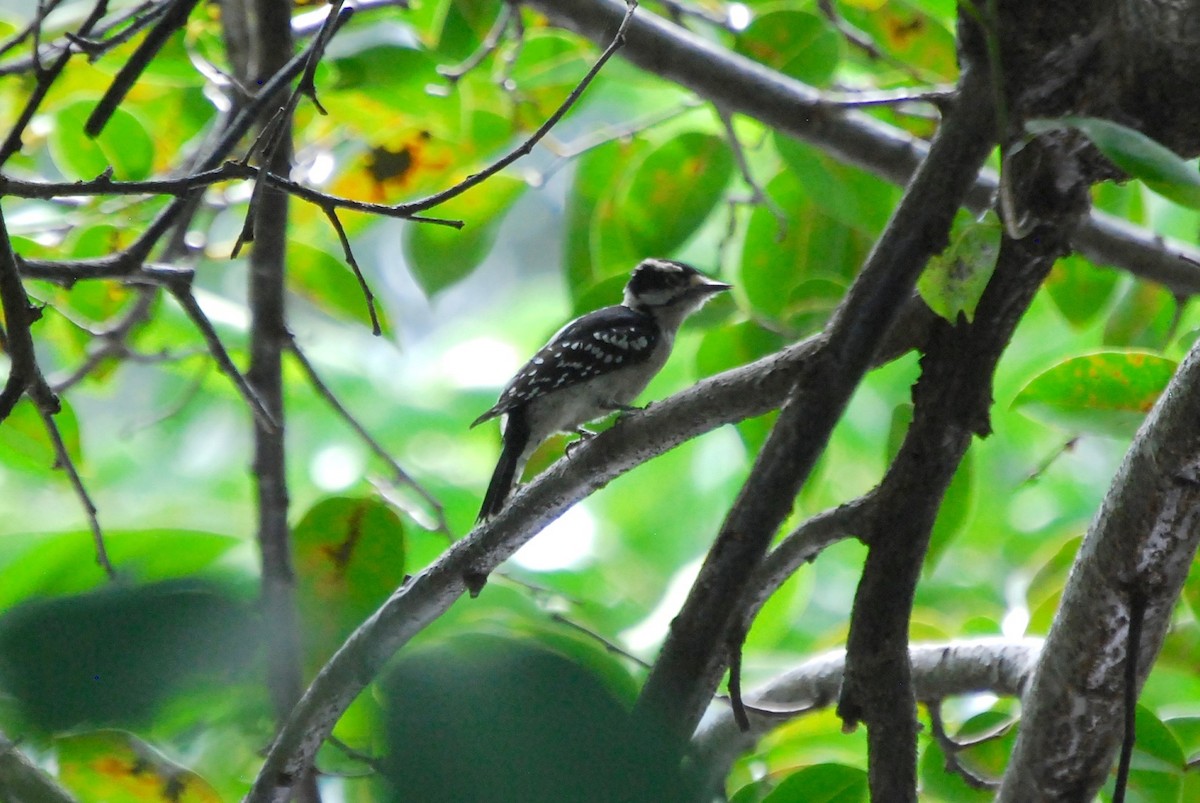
(516, 437)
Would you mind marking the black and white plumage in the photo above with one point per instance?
(595, 365)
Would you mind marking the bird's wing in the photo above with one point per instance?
(590, 346)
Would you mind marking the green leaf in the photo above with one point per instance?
(730, 346)
(539, 721)
(592, 195)
(819, 783)
(51, 564)
(673, 190)
(955, 512)
(1107, 393)
(1137, 154)
(795, 274)
(955, 279)
(25, 445)
(1142, 318)
(938, 783)
(440, 256)
(123, 145)
(1079, 289)
(350, 556)
(1157, 768)
(796, 43)
(329, 284)
(902, 416)
(958, 503)
(863, 201)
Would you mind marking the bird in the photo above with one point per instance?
(595, 365)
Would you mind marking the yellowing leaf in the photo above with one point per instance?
(117, 767)
(1108, 392)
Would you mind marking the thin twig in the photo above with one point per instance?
(678, 10)
(488, 46)
(63, 461)
(610, 646)
(33, 29)
(757, 195)
(527, 146)
(399, 475)
(331, 213)
(182, 292)
(113, 341)
(174, 18)
(951, 748)
(46, 79)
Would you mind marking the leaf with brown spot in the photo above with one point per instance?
(350, 555)
(1106, 393)
(117, 767)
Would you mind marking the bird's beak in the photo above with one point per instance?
(707, 286)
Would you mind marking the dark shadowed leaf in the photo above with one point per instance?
(117, 655)
(530, 723)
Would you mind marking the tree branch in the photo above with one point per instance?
(740, 85)
(692, 660)
(994, 665)
(22, 780)
(265, 27)
(1145, 537)
(726, 398)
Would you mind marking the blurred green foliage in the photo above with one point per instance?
(163, 442)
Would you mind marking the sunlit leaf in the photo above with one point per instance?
(58, 563)
(1107, 393)
(820, 783)
(955, 279)
(329, 284)
(124, 145)
(25, 443)
(1135, 153)
(117, 767)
